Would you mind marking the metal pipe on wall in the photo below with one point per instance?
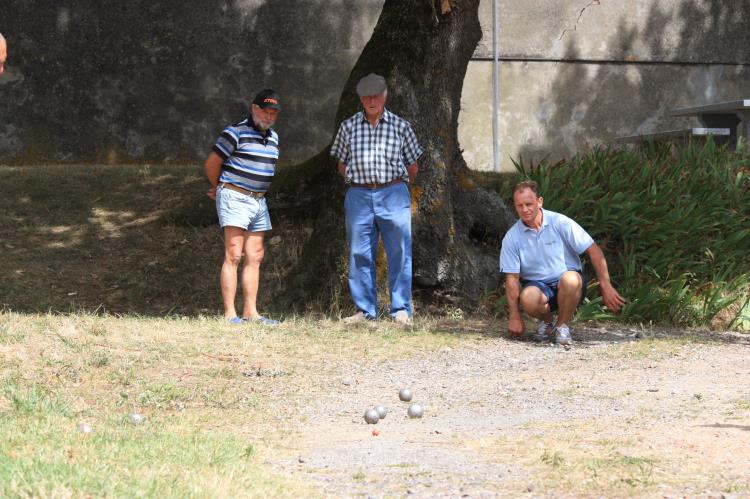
(495, 86)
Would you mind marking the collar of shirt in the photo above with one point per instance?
(545, 222)
(386, 117)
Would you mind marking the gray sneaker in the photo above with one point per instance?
(562, 335)
(543, 332)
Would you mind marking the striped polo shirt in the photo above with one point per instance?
(249, 155)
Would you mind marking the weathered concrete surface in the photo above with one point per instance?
(553, 110)
(156, 81)
(698, 31)
(625, 65)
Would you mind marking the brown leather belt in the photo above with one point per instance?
(378, 186)
(233, 187)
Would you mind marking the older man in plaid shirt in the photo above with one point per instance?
(377, 153)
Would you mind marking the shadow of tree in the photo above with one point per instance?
(592, 103)
(114, 239)
(77, 240)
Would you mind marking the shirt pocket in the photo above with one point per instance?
(391, 148)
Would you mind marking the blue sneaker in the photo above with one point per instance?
(234, 320)
(562, 335)
(263, 320)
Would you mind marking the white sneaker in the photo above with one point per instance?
(544, 332)
(353, 319)
(402, 317)
(562, 335)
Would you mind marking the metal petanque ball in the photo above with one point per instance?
(136, 418)
(415, 411)
(372, 416)
(85, 428)
(382, 411)
(404, 394)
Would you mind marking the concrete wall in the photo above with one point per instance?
(575, 74)
(155, 81)
(148, 80)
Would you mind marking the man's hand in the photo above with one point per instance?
(412, 171)
(612, 298)
(213, 171)
(512, 292)
(342, 169)
(515, 327)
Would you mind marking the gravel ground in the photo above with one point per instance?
(498, 412)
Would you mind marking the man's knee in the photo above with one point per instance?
(570, 281)
(532, 300)
(232, 257)
(255, 256)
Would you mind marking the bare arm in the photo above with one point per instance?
(512, 292)
(610, 296)
(412, 170)
(213, 172)
(342, 169)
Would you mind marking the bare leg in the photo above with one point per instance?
(534, 303)
(568, 296)
(251, 274)
(233, 242)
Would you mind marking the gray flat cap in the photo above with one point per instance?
(371, 84)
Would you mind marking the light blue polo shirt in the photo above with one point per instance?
(547, 254)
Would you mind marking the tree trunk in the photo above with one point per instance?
(422, 47)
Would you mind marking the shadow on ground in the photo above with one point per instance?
(119, 239)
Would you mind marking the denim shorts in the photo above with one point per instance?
(240, 210)
(549, 289)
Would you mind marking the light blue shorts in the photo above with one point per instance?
(240, 210)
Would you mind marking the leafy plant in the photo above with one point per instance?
(674, 224)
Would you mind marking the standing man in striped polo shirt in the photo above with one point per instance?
(377, 153)
(240, 169)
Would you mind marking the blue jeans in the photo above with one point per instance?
(371, 213)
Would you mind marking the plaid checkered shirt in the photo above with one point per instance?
(376, 155)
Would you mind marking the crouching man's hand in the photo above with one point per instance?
(515, 326)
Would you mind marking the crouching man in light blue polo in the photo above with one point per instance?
(540, 257)
(377, 153)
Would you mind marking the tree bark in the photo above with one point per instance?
(423, 48)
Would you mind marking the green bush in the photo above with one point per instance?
(674, 224)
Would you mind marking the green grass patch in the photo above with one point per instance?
(45, 454)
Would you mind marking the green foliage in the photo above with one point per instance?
(674, 224)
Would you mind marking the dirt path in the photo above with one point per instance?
(619, 414)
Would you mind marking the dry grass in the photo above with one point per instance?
(606, 458)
